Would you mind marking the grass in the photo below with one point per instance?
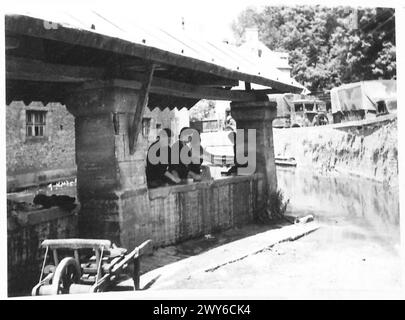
(276, 207)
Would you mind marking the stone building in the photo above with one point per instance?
(40, 144)
(40, 140)
(267, 57)
(253, 49)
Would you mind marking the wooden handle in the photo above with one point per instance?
(137, 252)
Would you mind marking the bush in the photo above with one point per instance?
(276, 207)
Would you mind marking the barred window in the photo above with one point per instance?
(35, 124)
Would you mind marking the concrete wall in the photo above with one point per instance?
(25, 232)
(39, 160)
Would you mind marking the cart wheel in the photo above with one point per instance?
(66, 273)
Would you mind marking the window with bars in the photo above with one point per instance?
(35, 123)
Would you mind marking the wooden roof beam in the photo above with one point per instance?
(164, 87)
(185, 90)
(36, 70)
(39, 71)
(219, 83)
(136, 126)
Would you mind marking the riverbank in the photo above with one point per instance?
(369, 152)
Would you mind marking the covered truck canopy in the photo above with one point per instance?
(364, 95)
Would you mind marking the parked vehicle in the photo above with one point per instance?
(363, 100)
(308, 112)
(297, 110)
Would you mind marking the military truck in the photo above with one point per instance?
(363, 100)
(308, 112)
(295, 110)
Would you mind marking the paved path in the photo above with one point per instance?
(339, 260)
(209, 261)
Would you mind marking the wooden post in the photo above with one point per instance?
(140, 107)
(98, 262)
(55, 257)
(77, 258)
(137, 270)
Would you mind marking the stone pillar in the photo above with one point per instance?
(259, 115)
(111, 183)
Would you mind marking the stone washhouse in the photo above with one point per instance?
(106, 76)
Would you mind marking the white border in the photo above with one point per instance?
(210, 294)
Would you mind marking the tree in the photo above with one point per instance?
(325, 49)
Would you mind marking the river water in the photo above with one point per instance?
(369, 205)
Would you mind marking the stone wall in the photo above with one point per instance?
(34, 160)
(172, 214)
(169, 215)
(368, 151)
(183, 212)
(25, 232)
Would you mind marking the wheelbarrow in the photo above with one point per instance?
(88, 266)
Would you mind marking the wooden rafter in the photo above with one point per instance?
(36, 70)
(135, 128)
(219, 83)
(24, 69)
(185, 90)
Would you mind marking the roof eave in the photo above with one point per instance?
(34, 27)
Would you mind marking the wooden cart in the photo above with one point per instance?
(88, 265)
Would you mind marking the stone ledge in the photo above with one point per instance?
(44, 215)
(31, 179)
(163, 192)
